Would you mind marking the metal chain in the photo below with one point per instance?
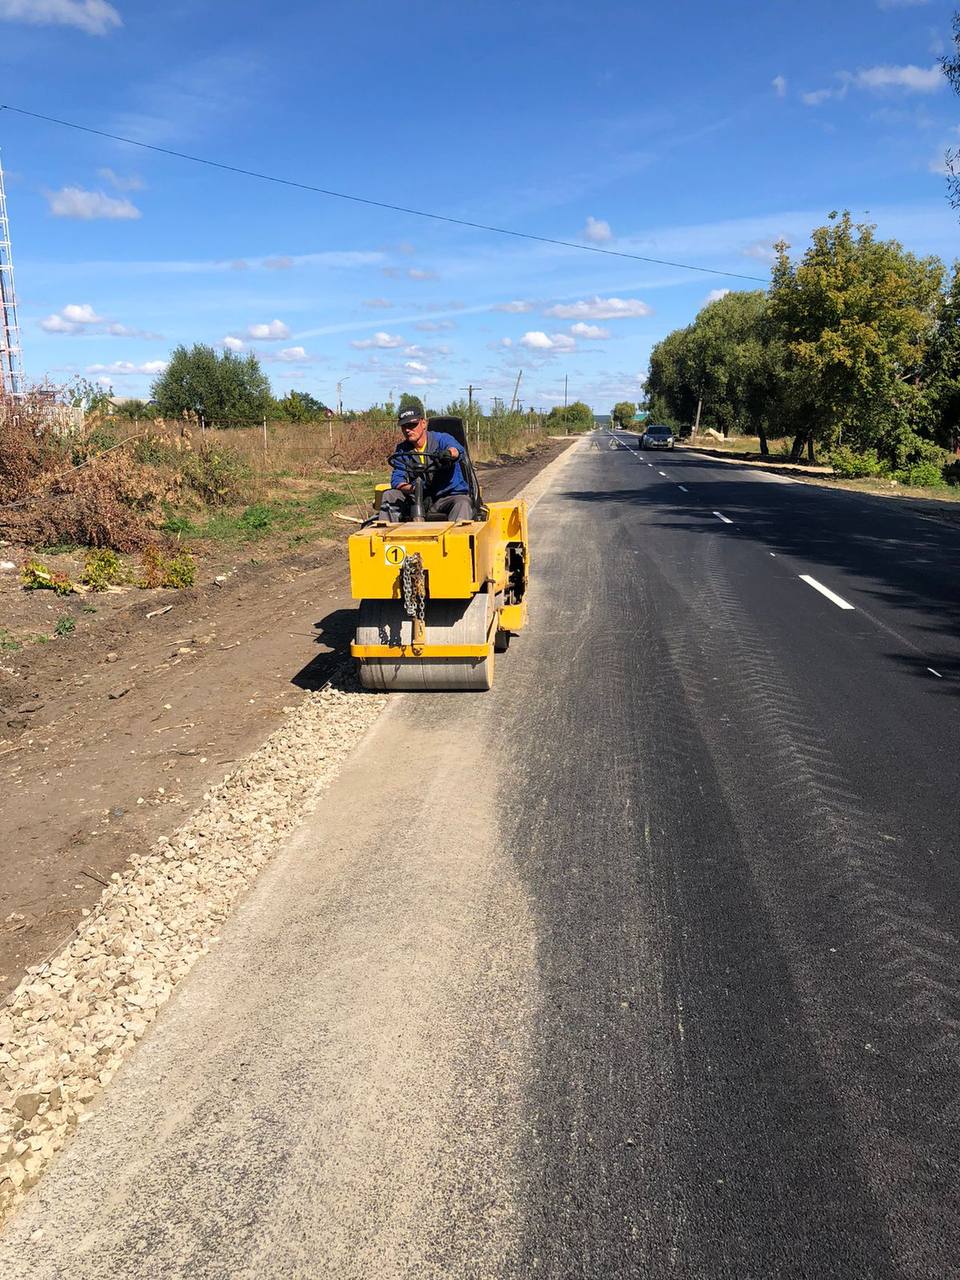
(414, 586)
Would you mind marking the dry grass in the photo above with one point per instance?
(125, 486)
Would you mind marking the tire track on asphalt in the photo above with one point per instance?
(665, 1137)
(875, 961)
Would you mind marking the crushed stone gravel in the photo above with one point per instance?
(69, 1025)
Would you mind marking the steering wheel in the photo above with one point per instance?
(414, 464)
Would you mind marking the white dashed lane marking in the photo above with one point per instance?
(825, 591)
(721, 516)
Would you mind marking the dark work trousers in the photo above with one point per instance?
(395, 506)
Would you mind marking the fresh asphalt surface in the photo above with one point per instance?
(644, 964)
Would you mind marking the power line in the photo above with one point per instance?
(381, 204)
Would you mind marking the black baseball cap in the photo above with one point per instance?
(408, 417)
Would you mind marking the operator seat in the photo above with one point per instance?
(454, 427)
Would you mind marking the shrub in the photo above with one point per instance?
(181, 570)
(951, 472)
(152, 450)
(35, 576)
(217, 474)
(850, 465)
(925, 475)
(65, 625)
(103, 569)
(256, 518)
(157, 571)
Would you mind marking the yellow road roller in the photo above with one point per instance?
(438, 598)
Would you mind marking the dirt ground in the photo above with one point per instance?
(109, 736)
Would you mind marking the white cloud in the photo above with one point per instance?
(81, 318)
(780, 86)
(74, 202)
(590, 331)
(233, 344)
(124, 331)
(537, 340)
(514, 308)
(271, 332)
(910, 78)
(415, 366)
(596, 231)
(133, 183)
(506, 342)
(762, 250)
(939, 164)
(914, 79)
(600, 309)
(125, 368)
(817, 96)
(279, 263)
(409, 273)
(382, 341)
(292, 355)
(716, 294)
(80, 313)
(419, 381)
(73, 318)
(435, 326)
(96, 17)
(900, 4)
(381, 303)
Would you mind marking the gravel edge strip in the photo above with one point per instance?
(73, 1020)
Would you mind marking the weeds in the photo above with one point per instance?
(35, 576)
(217, 474)
(8, 644)
(65, 625)
(157, 570)
(103, 569)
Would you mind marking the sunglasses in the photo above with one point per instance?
(409, 426)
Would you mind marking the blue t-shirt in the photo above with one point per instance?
(449, 479)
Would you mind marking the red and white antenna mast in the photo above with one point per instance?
(11, 369)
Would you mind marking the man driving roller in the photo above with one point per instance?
(446, 491)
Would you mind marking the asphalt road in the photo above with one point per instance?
(644, 964)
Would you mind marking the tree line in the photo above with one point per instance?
(854, 350)
(224, 389)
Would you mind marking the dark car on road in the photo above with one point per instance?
(656, 438)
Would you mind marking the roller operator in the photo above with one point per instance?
(446, 492)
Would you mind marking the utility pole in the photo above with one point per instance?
(564, 390)
(339, 394)
(513, 402)
(470, 390)
(11, 370)
(339, 406)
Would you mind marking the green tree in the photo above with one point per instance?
(951, 69)
(853, 316)
(92, 397)
(222, 389)
(623, 412)
(727, 365)
(941, 368)
(408, 401)
(572, 417)
(301, 406)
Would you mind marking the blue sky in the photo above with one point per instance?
(697, 132)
